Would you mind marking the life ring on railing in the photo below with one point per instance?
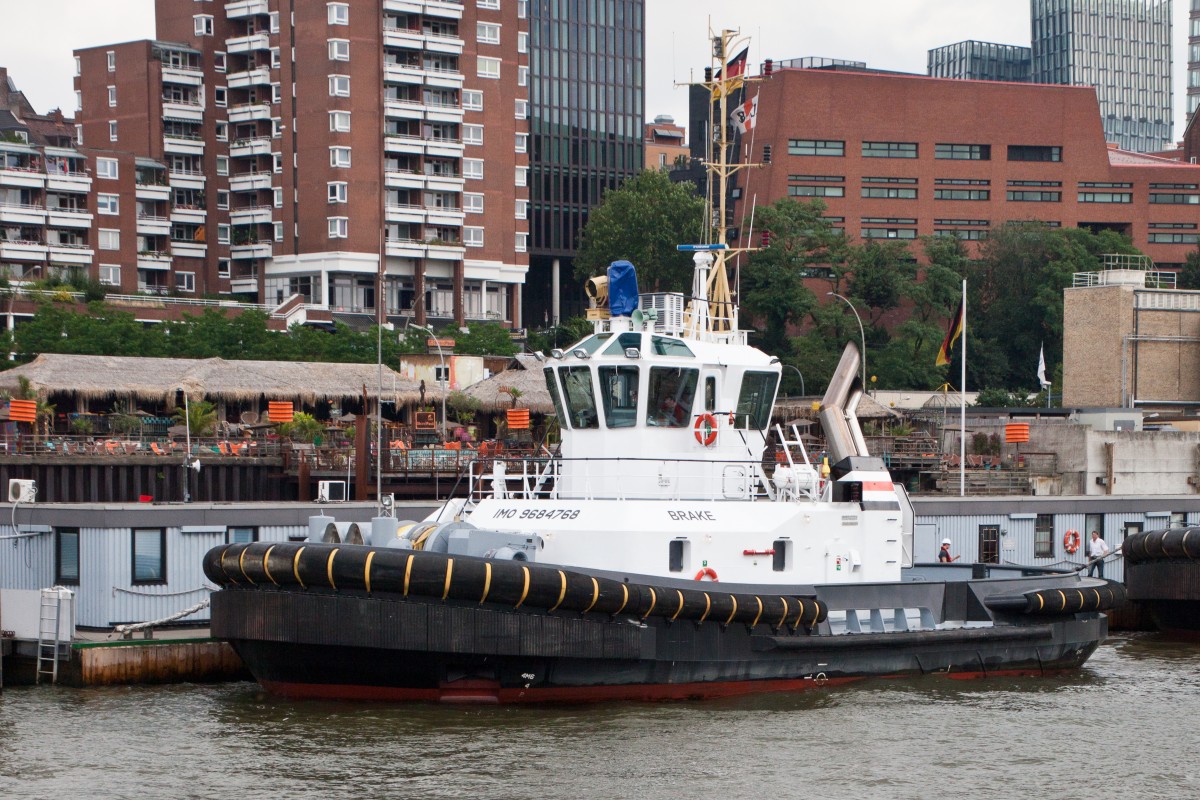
(707, 572)
(1071, 542)
(706, 429)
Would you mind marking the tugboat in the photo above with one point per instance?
(655, 555)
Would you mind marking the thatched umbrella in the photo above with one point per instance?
(525, 374)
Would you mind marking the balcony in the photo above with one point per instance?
(401, 179)
(186, 110)
(260, 76)
(248, 44)
(245, 8)
(443, 44)
(451, 251)
(260, 249)
(445, 9)
(260, 146)
(186, 76)
(406, 248)
(402, 73)
(183, 144)
(249, 111)
(449, 148)
(23, 250)
(443, 113)
(404, 109)
(251, 215)
(445, 216)
(445, 183)
(403, 37)
(152, 191)
(398, 143)
(187, 178)
(154, 259)
(19, 214)
(189, 214)
(25, 177)
(79, 182)
(68, 218)
(189, 249)
(61, 253)
(149, 225)
(444, 78)
(250, 182)
(398, 212)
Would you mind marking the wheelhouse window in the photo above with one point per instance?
(623, 342)
(149, 555)
(664, 346)
(581, 401)
(755, 400)
(671, 394)
(619, 393)
(66, 556)
(552, 386)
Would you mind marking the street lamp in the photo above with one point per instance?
(442, 359)
(800, 374)
(860, 333)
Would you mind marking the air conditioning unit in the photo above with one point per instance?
(21, 490)
(327, 491)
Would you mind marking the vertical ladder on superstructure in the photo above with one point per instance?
(49, 617)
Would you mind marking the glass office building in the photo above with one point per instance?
(981, 61)
(587, 98)
(1123, 48)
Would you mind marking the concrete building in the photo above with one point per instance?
(901, 156)
(1123, 49)
(303, 142)
(1128, 343)
(1193, 58)
(665, 142)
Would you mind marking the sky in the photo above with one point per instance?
(37, 38)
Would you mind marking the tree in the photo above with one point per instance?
(199, 416)
(484, 339)
(1015, 303)
(773, 293)
(878, 273)
(1189, 276)
(642, 222)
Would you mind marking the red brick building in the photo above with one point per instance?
(274, 149)
(899, 156)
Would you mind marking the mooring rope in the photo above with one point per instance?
(139, 626)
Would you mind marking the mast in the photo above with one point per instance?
(723, 79)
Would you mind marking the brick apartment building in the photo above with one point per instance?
(900, 156)
(273, 148)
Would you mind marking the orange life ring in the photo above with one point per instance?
(709, 572)
(1071, 542)
(706, 429)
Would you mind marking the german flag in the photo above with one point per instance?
(952, 334)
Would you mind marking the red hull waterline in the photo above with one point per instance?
(491, 693)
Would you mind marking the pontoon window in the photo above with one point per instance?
(552, 386)
(670, 347)
(672, 390)
(619, 391)
(623, 342)
(581, 401)
(592, 344)
(755, 400)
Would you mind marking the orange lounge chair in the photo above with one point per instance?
(157, 449)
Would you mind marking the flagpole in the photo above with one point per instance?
(962, 394)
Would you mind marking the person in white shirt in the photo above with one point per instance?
(1097, 550)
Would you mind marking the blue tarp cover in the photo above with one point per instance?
(622, 289)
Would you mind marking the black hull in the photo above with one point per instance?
(338, 645)
(354, 622)
(1162, 573)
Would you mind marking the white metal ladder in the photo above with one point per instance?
(49, 617)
